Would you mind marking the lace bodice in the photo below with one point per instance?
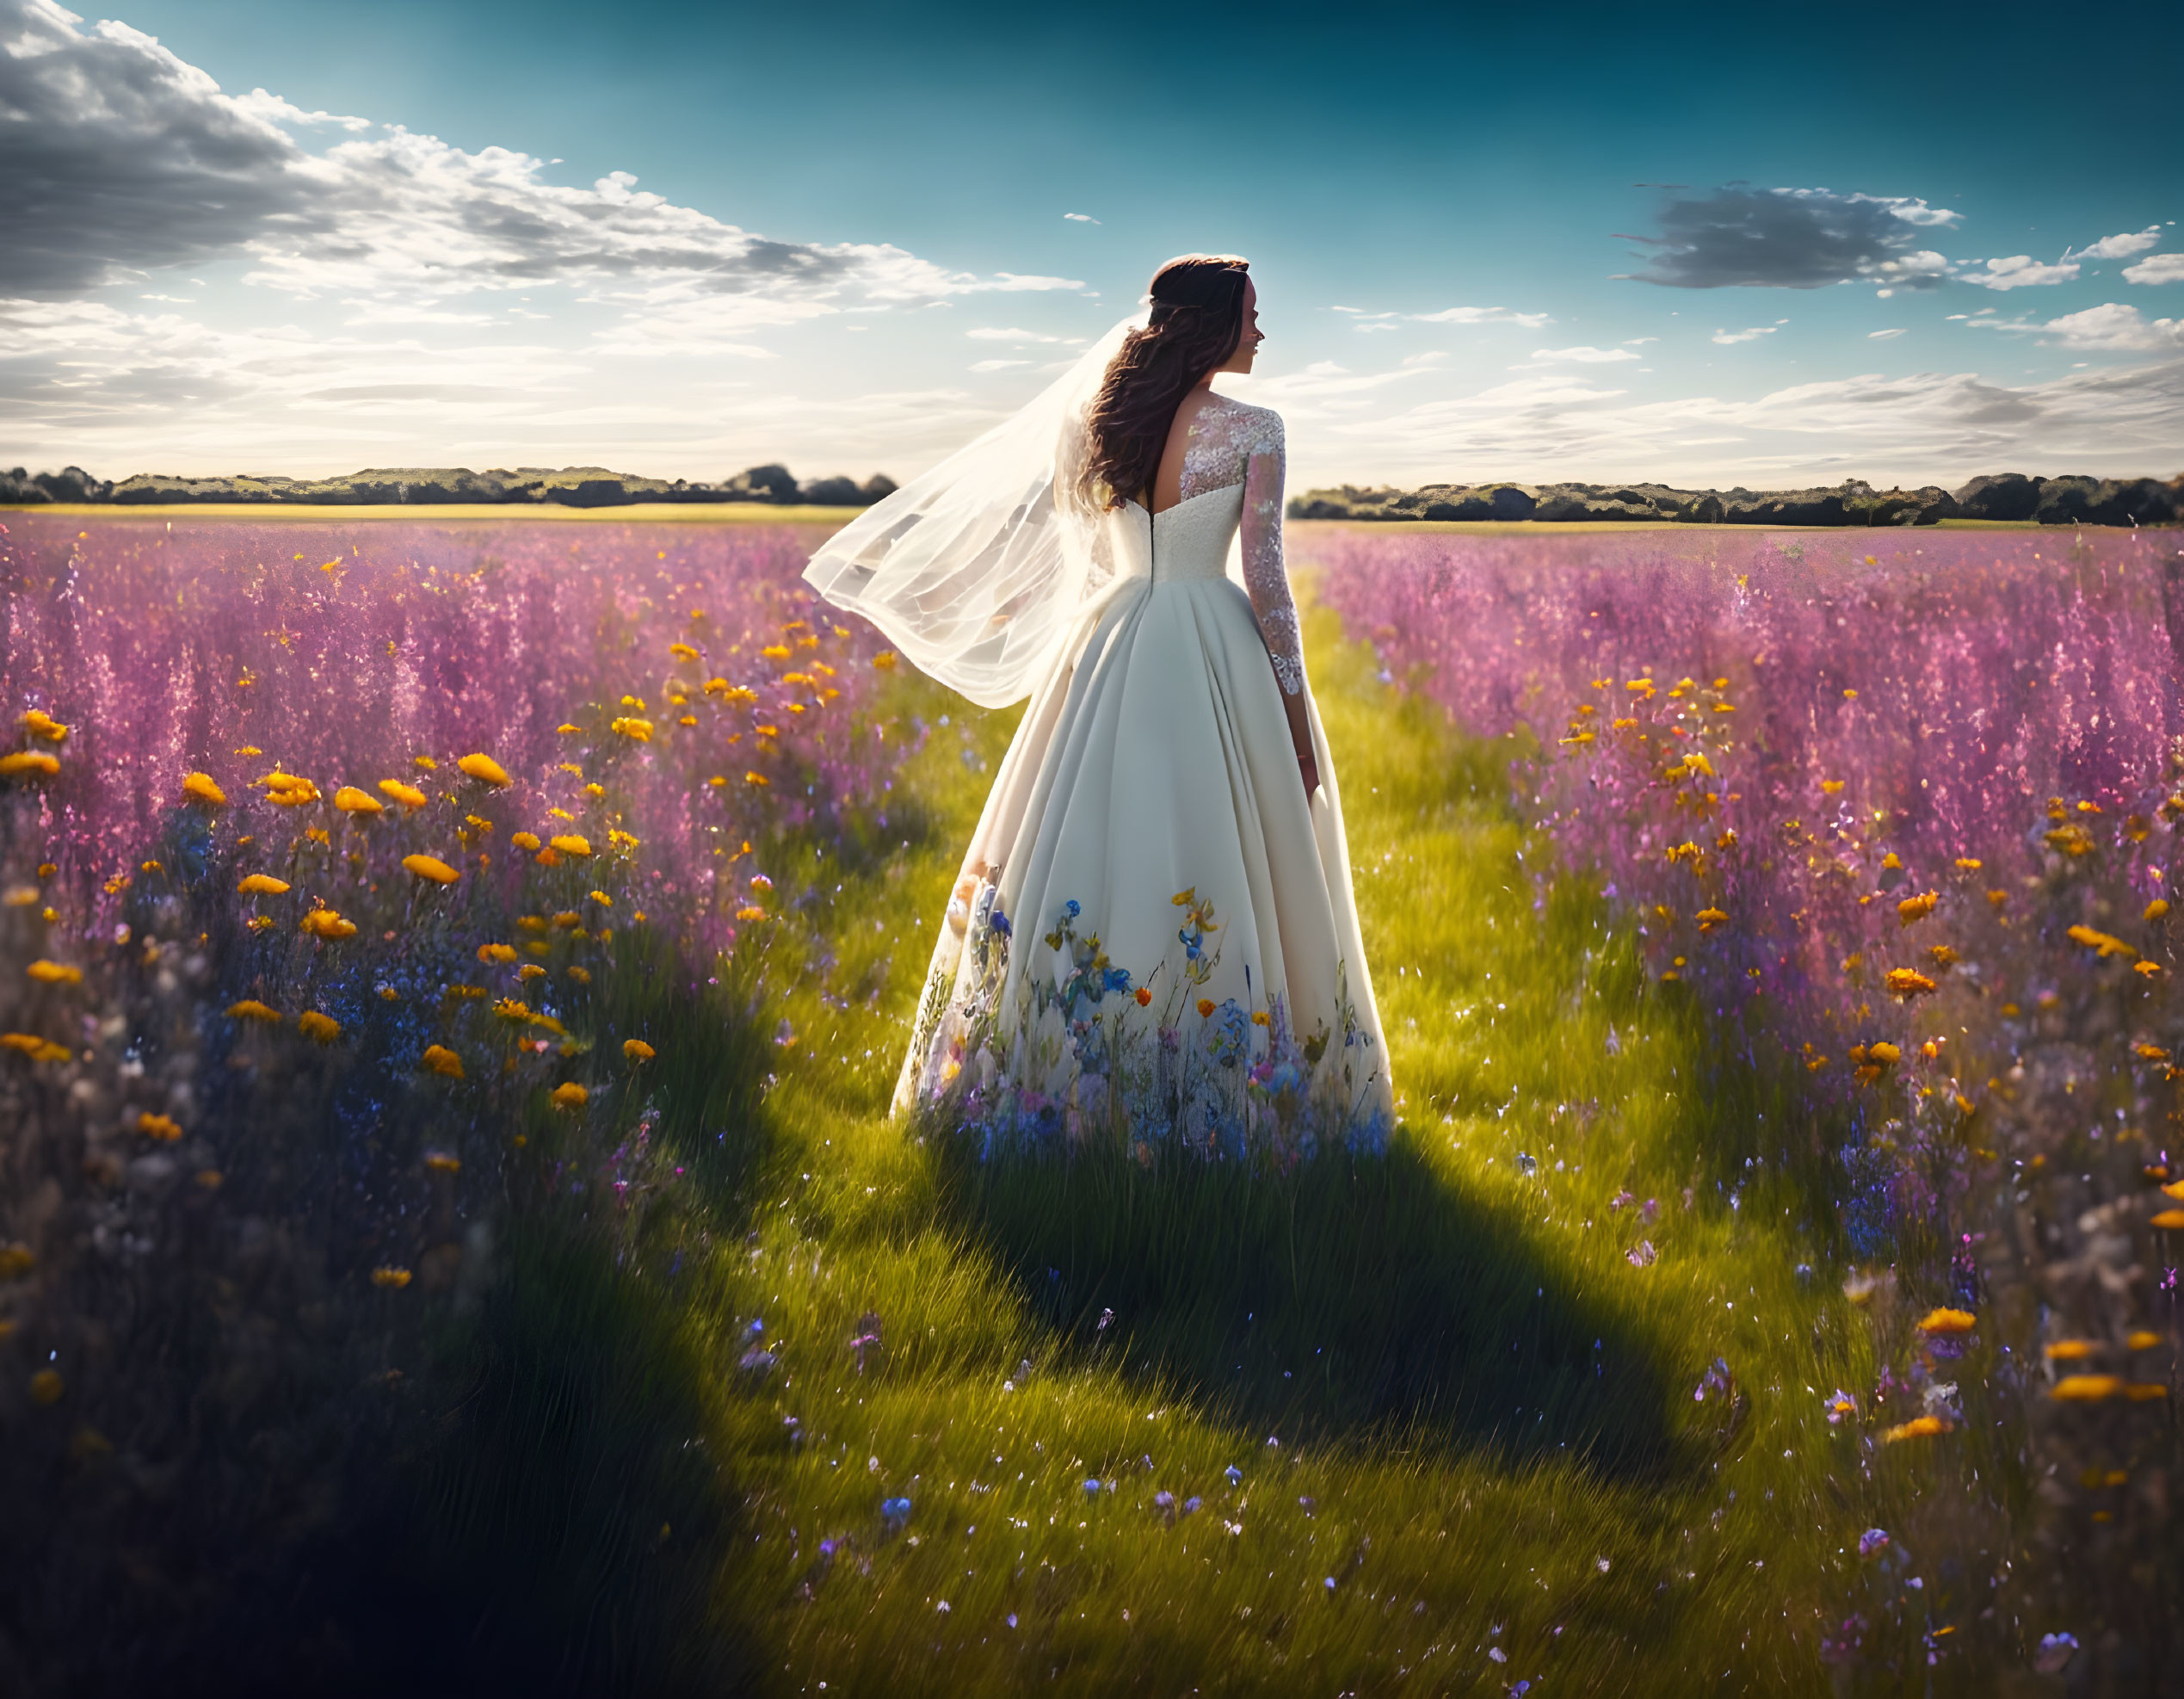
(1232, 442)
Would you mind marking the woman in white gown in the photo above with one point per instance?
(1154, 936)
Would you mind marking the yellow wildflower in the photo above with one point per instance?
(485, 770)
(317, 1028)
(262, 885)
(441, 1163)
(2142, 1339)
(637, 1050)
(569, 1095)
(200, 788)
(1945, 1320)
(1969, 864)
(351, 801)
(2088, 1388)
(2101, 943)
(2169, 1219)
(396, 1278)
(581, 975)
(54, 974)
(1912, 910)
(571, 843)
(1907, 983)
(601, 899)
(2068, 1350)
(251, 1010)
(524, 840)
(639, 731)
(158, 1127)
(1919, 1427)
(39, 724)
(1204, 1006)
(29, 761)
(492, 953)
(408, 795)
(439, 1059)
(431, 867)
(682, 652)
(749, 912)
(327, 924)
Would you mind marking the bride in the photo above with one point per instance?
(1153, 937)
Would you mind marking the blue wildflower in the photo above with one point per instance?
(1072, 908)
(894, 1511)
(1118, 979)
(999, 921)
(1092, 1486)
(1872, 1540)
(1191, 1503)
(1234, 1473)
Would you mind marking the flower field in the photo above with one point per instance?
(452, 978)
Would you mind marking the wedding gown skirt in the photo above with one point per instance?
(1154, 935)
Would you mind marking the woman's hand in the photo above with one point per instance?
(1301, 738)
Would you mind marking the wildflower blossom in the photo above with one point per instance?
(327, 924)
(54, 973)
(351, 801)
(439, 1059)
(569, 1095)
(637, 1050)
(395, 1278)
(262, 885)
(159, 1127)
(200, 788)
(249, 1008)
(408, 796)
(485, 770)
(571, 843)
(29, 761)
(318, 1028)
(430, 868)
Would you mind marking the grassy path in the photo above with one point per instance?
(1460, 1418)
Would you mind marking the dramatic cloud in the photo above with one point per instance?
(1791, 238)
(2113, 325)
(2123, 247)
(2022, 271)
(2156, 268)
(120, 157)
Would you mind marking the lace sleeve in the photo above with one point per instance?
(1266, 580)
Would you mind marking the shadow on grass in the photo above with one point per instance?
(1359, 1301)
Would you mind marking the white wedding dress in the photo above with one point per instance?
(1154, 937)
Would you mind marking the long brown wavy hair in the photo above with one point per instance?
(1196, 321)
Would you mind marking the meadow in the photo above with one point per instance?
(452, 976)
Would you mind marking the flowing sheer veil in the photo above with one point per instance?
(979, 568)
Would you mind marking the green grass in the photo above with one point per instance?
(1487, 1434)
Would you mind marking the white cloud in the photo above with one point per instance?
(2022, 271)
(1080, 218)
(142, 162)
(2113, 325)
(1584, 356)
(1638, 342)
(1882, 336)
(1726, 338)
(2124, 246)
(1929, 426)
(997, 365)
(2156, 268)
(1481, 315)
(988, 334)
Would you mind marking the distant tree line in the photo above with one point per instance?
(2008, 495)
(568, 486)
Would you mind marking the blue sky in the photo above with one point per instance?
(1701, 244)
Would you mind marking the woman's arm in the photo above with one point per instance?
(1266, 580)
